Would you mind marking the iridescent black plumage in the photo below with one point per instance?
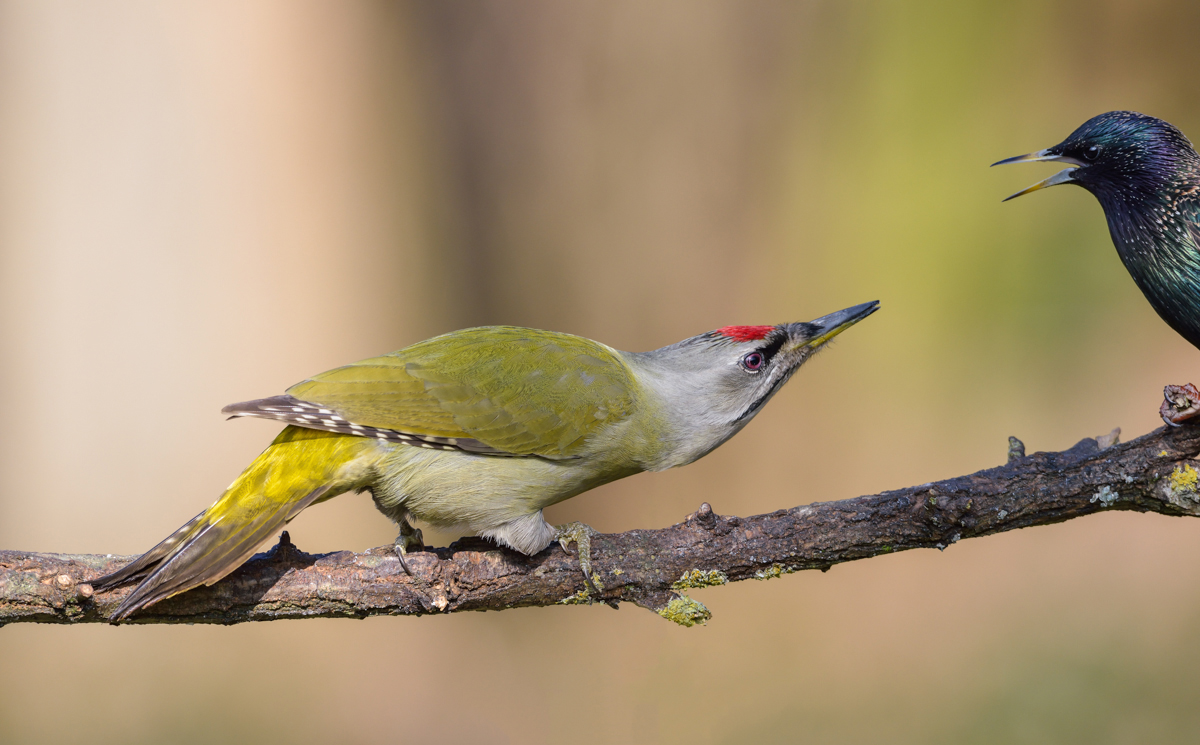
(1146, 175)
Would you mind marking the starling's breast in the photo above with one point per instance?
(1158, 249)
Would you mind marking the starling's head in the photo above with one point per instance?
(1121, 154)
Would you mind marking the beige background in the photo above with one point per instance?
(205, 202)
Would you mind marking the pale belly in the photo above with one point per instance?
(481, 492)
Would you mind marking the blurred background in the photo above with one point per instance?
(206, 202)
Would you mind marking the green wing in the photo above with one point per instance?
(517, 391)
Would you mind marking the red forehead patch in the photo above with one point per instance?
(745, 333)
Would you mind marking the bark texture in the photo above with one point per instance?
(652, 568)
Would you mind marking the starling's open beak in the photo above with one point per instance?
(1061, 177)
(835, 323)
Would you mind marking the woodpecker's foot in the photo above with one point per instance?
(581, 535)
(409, 537)
(1182, 402)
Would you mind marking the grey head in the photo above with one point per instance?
(712, 385)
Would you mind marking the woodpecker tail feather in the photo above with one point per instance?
(144, 564)
(300, 468)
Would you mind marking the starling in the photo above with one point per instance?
(1146, 175)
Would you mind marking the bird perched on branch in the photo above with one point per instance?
(1146, 175)
(482, 428)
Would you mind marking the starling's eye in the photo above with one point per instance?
(1092, 152)
(753, 362)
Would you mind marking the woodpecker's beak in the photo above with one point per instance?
(833, 324)
(1061, 177)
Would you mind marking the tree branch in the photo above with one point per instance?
(652, 568)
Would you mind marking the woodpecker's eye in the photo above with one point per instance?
(1092, 152)
(753, 361)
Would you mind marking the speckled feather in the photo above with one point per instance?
(315, 416)
(498, 390)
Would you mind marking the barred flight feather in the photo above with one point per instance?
(314, 416)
